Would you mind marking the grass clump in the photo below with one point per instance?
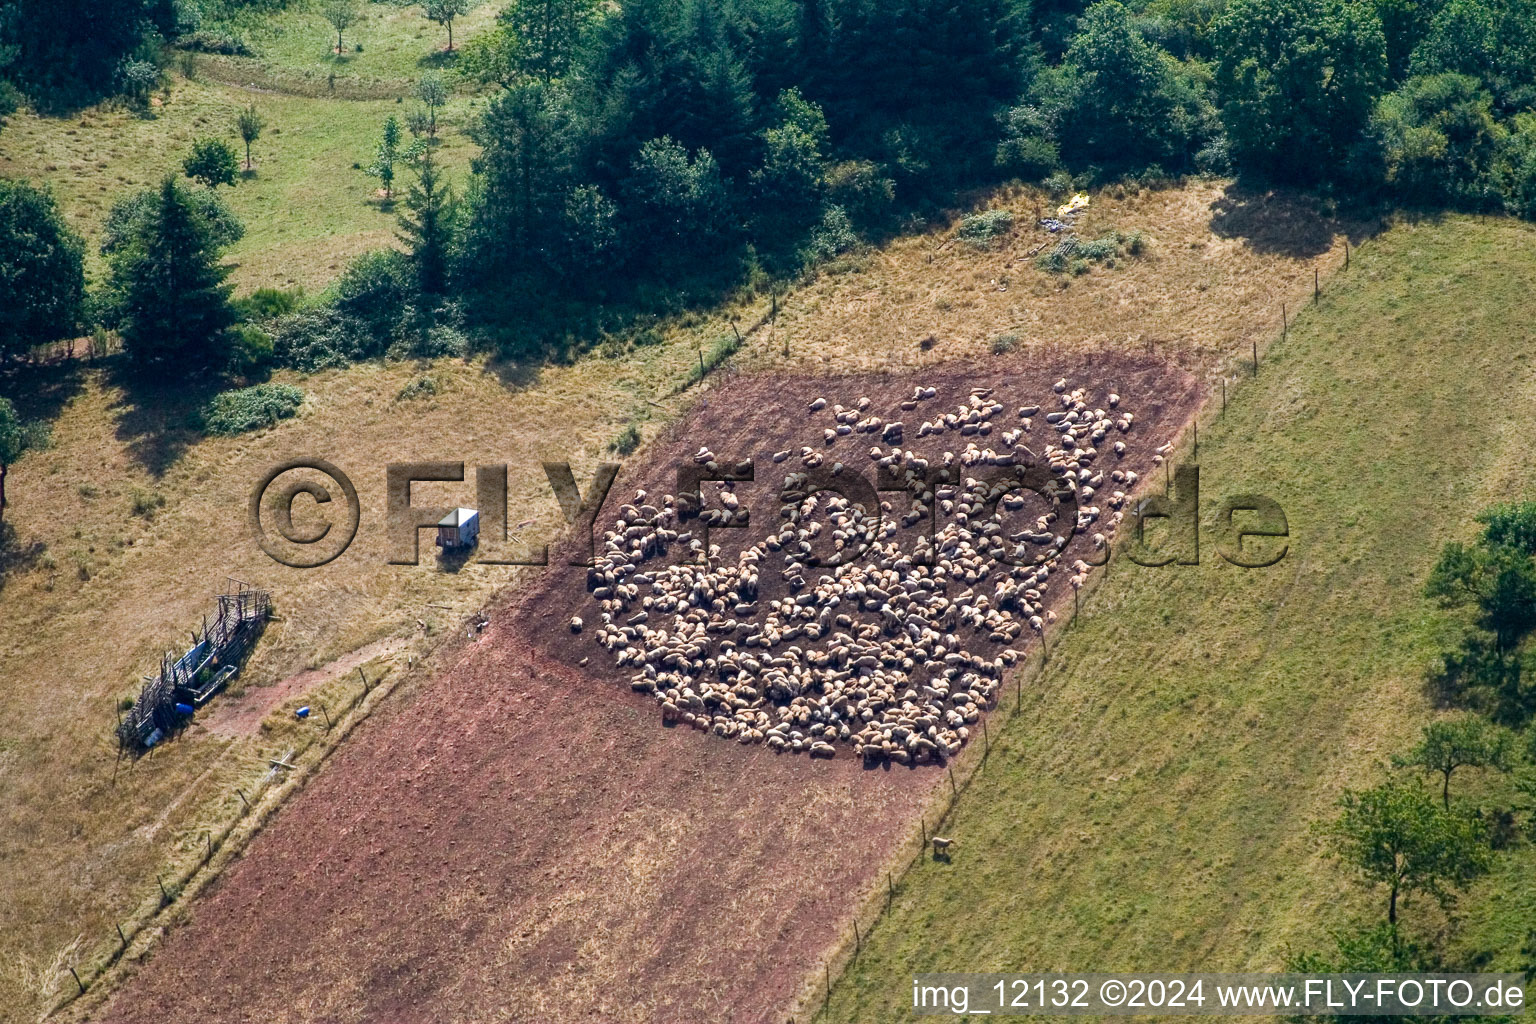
(143, 503)
(710, 361)
(1004, 343)
(235, 412)
(424, 386)
(627, 442)
(984, 230)
(1076, 256)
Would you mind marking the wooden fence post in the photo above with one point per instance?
(78, 981)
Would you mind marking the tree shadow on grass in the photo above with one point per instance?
(16, 555)
(40, 391)
(1286, 222)
(516, 374)
(158, 418)
(439, 59)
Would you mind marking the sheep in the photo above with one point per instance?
(893, 679)
(942, 845)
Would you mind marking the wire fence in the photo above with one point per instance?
(815, 1001)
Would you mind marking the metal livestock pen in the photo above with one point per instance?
(186, 682)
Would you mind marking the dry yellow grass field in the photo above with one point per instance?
(99, 591)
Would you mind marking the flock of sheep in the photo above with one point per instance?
(887, 630)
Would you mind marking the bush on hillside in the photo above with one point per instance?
(235, 412)
(984, 229)
(317, 339)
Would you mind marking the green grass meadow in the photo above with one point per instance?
(1149, 807)
(307, 210)
(386, 51)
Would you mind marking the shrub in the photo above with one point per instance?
(440, 340)
(269, 303)
(144, 503)
(252, 351)
(648, 337)
(1100, 248)
(320, 338)
(1004, 343)
(138, 79)
(374, 291)
(866, 195)
(235, 412)
(984, 229)
(211, 162)
(1076, 255)
(418, 387)
(1028, 148)
(628, 441)
(212, 41)
(1059, 183)
(831, 238)
(10, 99)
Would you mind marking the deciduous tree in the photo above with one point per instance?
(342, 14)
(433, 94)
(1467, 741)
(211, 162)
(42, 279)
(445, 11)
(1298, 80)
(1394, 836)
(249, 124)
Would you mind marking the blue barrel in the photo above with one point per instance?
(303, 712)
(184, 709)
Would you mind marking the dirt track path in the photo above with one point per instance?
(241, 716)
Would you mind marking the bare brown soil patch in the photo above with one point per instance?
(525, 841)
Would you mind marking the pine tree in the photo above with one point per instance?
(175, 306)
(549, 32)
(428, 226)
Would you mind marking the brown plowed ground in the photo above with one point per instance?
(525, 841)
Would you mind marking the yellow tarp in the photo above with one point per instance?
(1072, 205)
